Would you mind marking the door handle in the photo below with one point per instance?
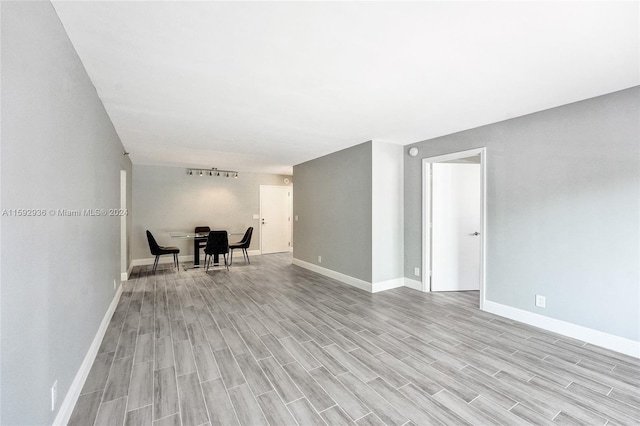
(475, 234)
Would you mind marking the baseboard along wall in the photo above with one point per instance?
(187, 258)
(598, 338)
(356, 282)
(71, 398)
(594, 337)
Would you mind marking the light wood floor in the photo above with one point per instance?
(272, 343)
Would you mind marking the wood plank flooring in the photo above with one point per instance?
(274, 344)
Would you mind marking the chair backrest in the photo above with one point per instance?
(217, 243)
(202, 229)
(153, 245)
(246, 240)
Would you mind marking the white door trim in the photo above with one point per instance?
(124, 256)
(426, 214)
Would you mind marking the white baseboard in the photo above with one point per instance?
(595, 337)
(356, 282)
(598, 338)
(71, 398)
(181, 258)
(162, 260)
(237, 257)
(414, 284)
(387, 285)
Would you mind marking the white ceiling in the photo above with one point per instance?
(262, 86)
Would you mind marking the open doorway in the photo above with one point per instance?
(454, 222)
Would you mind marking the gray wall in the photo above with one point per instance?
(333, 204)
(563, 210)
(59, 151)
(167, 199)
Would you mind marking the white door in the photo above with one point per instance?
(275, 219)
(455, 242)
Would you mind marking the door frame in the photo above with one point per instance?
(290, 211)
(426, 213)
(124, 256)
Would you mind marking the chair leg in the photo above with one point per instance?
(231, 257)
(225, 261)
(155, 263)
(206, 264)
(247, 254)
(175, 260)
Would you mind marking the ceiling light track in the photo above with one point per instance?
(214, 171)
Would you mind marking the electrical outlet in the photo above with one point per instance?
(541, 301)
(416, 272)
(296, 218)
(54, 395)
(319, 259)
(114, 284)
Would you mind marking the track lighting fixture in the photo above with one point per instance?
(213, 172)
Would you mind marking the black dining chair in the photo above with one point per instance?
(202, 229)
(242, 245)
(217, 243)
(158, 251)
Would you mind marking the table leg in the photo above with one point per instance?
(196, 253)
